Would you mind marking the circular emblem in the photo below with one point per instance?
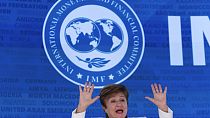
(100, 41)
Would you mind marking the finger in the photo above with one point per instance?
(80, 89)
(96, 98)
(89, 87)
(150, 99)
(85, 87)
(165, 90)
(153, 89)
(156, 88)
(92, 88)
(160, 88)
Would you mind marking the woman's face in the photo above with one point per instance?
(116, 106)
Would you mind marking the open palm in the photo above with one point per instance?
(159, 97)
(86, 99)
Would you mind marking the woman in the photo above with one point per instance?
(114, 100)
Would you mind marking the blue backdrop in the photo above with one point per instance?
(31, 88)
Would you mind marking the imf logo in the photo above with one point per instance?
(100, 41)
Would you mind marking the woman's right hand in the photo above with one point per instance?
(85, 99)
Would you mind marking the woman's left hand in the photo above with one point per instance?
(159, 97)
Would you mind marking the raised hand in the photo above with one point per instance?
(159, 98)
(85, 99)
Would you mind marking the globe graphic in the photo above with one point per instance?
(111, 35)
(82, 35)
